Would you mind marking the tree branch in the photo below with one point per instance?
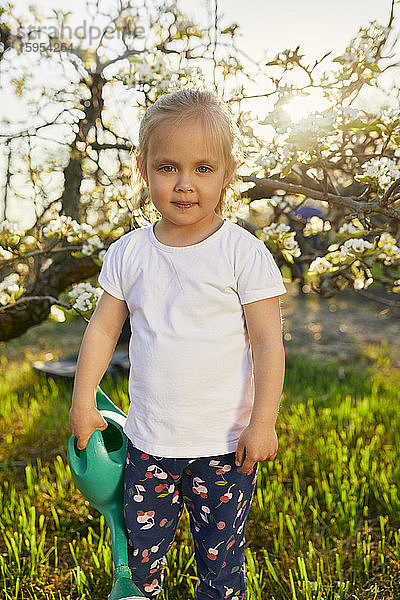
(351, 202)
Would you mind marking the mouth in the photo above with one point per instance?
(184, 204)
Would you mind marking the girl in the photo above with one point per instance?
(203, 299)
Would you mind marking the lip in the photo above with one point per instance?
(184, 204)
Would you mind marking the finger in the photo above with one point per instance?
(239, 457)
(247, 467)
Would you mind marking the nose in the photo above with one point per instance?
(184, 187)
(183, 184)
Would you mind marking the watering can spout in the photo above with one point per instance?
(98, 472)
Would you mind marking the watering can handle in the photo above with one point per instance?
(108, 416)
(113, 416)
(94, 442)
(103, 402)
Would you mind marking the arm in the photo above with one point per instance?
(258, 441)
(263, 320)
(95, 353)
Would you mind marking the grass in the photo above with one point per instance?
(325, 519)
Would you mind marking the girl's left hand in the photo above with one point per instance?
(257, 442)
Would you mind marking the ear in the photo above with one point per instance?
(142, 170)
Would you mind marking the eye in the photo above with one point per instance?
(166, 167)
(204, 167)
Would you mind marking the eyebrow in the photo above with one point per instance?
(166, 159)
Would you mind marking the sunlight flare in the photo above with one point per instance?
(299, 107)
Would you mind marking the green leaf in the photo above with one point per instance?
(357, 123)
(286, 170)
(363, 178)
(374, 67)
(288, 256)
(373, 127)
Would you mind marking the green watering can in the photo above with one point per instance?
(98, 472)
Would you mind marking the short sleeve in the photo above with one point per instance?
(259, 276)
(110, 276)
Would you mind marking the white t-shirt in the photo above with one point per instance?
(191, 385)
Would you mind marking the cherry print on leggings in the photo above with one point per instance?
(217, 497)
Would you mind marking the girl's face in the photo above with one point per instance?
(179, 169)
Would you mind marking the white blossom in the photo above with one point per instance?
(391, 252)
(386, 241)
(315, 122)
(274, 229)
(7, 227)
(85, 295)
(275, 200)
(158, 70)
(10, 232)
(390, 117)
(119, 216)
(91, 245)
(389, 260)
(10, 286)
(320, 265)
(279, 119)
(354, 246)
(286, 153)
(266, 159)
(291, 246)
(360, 282)
(62, 224)
(244, 186)
(4, 254)
(345, 113)
(316, 225)
(79, 229)
(362, 48)
(351, 228)
(382, 170)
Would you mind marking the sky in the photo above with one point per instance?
(315, 24)
(265, 27)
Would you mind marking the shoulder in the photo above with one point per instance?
(241, 233)
(128, 238)
(250, 253)
(242, 240)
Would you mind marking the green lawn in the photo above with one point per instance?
(325, 518)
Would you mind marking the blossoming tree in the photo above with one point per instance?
(344, 158)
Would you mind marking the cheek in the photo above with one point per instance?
(214, 183)
(160, 184)
(218, 185)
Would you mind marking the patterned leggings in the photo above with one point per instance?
(217, 498)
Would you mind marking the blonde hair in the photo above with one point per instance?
(220, 129)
